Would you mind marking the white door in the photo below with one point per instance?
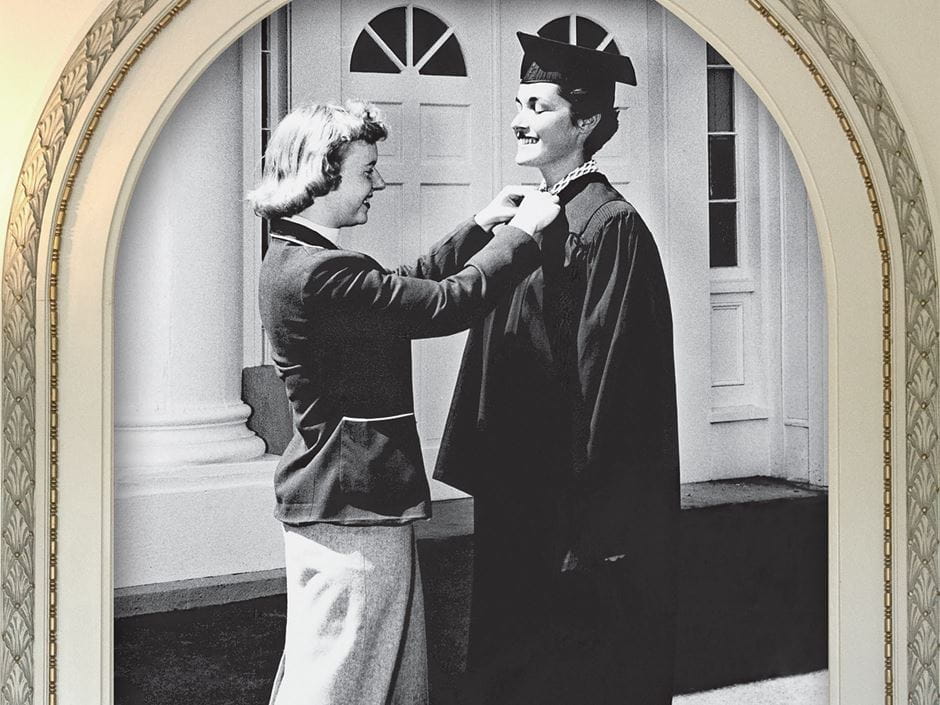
(429, 71)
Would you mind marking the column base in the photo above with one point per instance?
(212, 521)
(189, 437)
(194, 521)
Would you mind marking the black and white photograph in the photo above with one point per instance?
(484, 362)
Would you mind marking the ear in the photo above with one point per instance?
(589, 123)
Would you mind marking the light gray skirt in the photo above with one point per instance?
(355, 618)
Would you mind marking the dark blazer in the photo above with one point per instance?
(340, 328)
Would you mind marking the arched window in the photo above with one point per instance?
(405, 39)
(575, 29)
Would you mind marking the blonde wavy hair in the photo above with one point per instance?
(305, 154)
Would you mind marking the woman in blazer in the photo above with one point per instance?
(351, 481)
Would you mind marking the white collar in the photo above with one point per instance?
(331, 234)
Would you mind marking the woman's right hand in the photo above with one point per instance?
(537, 210)
(503, 207)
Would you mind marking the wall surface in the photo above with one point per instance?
(900, 39)
(35, 41)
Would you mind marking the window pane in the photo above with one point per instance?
(427, 30)
(390, 25)
(557, 30)
(590, 34)
(723, 234)
(720, 100)
(368, 57)
(713, 57)
(721, 176)
(447, 60)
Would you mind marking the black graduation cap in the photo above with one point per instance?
(549, 61)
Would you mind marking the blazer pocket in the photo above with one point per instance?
(381, 461)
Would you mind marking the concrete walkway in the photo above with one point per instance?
(807, 689)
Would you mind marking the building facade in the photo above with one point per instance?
(697, 154)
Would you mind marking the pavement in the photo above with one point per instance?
(806, 689)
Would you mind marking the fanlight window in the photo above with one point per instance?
(574, 29)
(408, 39)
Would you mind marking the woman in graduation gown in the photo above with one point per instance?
(563, 426)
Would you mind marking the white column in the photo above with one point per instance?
(178, 290)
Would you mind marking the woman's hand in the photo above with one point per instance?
(537, 210)
(503, 207)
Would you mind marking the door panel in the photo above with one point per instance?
(437, 161)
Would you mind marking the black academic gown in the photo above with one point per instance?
(563, 427)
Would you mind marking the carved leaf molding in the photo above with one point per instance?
(921, 340)
(19, 296)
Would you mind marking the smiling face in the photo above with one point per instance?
(348, 203)
(546, 138)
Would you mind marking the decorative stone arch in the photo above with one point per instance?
(874, 220)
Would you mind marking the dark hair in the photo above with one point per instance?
(585, 102)
(305, 154)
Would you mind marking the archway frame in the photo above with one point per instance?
(874, 219)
